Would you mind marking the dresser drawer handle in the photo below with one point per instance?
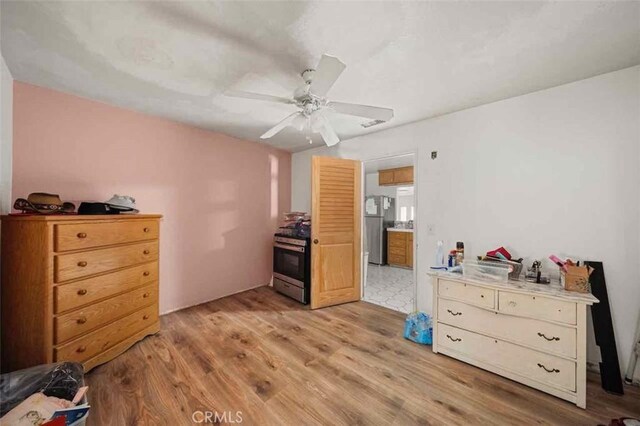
(146, 229)
(145, 273)
(82, 292)
(145, 317)
(82, 264)
(548, 338)
(81, 320)
(457, 339)
(81, 349)
(145, 295)
(146, 252)
(82, 235)
(512, 303)
(455, 314)
(553, 370)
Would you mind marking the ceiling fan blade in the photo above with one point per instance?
(281, 125)
(327, 72)
(328, 134)
(258, 96)
(375, 113)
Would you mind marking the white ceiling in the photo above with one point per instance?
(175, 59)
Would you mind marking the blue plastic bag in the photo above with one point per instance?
(417, 328)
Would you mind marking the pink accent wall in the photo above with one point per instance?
(221, 197)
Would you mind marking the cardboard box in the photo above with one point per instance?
(577, 278)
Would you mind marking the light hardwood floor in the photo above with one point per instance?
(281, 364)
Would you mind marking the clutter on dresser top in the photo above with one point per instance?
(500, 265)
(43, 203)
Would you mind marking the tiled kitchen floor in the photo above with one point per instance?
(390, 287)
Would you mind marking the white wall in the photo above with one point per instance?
(6, 137)
(556, 171)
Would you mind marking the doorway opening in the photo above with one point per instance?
(389, 245)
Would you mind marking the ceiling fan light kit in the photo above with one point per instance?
(311, 99)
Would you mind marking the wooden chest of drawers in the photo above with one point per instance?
(533, 334)
(77, 288)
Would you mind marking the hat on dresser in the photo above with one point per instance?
(96, 208)
(124, 203)
(43, 203)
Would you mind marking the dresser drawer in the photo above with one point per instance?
(534, 365)
(396, 259)
(468, 293)
(542, 335)
(88, 235)
(103, 338)
(77, 265)
(80, 293)
(400, 251)
(527, 305)
(93, 316)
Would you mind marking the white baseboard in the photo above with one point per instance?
(211, 300)
(595, 368)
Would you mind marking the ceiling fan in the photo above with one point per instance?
(312, 101)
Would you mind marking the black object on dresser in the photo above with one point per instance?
(292, 267)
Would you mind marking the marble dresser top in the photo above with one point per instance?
(551, 290)
(399, 230)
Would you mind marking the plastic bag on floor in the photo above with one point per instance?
(60, 380)
(417, 328)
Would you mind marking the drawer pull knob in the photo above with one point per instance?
(82, 292)
(553, 370)
(146, 252)
(455, 314)
(146, 229)
(548, 338)
(81, 349)
(457, 339)
(82, 235)
(145, 273)
(81, 320)
(82, 264)
(145, 295)
(145, 317)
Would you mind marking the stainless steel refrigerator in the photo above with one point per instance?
(380, 214)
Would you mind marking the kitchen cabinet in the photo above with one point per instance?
(399, 176)
(400, 248)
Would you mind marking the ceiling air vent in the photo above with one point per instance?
(372, 123)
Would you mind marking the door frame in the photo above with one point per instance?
(414, 153)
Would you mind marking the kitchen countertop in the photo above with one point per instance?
(399, 230)
(552, 289)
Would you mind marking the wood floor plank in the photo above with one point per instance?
(279, 363)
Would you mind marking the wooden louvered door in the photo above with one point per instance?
(336, 228)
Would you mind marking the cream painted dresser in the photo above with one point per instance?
(533, 334)
(77, 288)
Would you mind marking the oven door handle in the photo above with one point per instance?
(290, 248)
